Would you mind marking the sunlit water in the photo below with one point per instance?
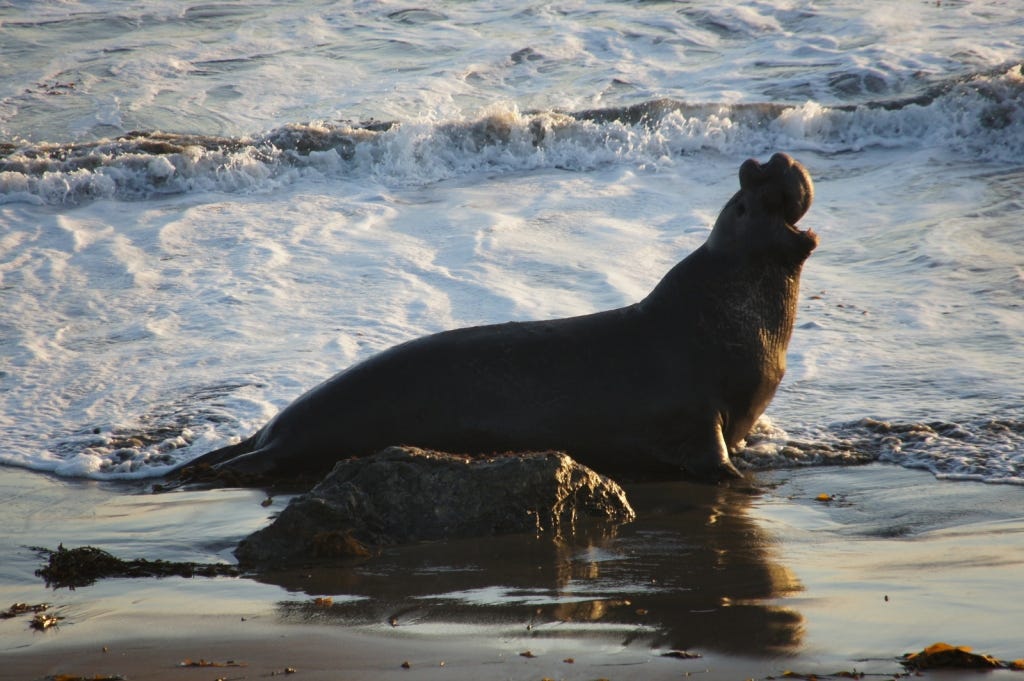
(207, 209)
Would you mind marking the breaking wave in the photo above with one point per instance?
(980, 117)
(985, 450)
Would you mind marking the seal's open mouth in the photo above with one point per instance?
(784, 175)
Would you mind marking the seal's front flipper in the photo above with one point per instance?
(707, 458)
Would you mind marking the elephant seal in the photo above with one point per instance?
(671, 383)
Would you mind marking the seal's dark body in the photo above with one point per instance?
(672, 382)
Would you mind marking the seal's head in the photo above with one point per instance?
(760, 219)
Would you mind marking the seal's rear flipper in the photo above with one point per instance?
(219, 456)
(262, 462)
(234, 466)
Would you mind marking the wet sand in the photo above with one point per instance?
(758, 578)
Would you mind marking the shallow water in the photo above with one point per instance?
(207, 209)
(696, 570)
(767, 578)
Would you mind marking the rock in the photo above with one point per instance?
(405, 494)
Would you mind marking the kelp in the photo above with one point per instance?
(85, 565)
(22, 609)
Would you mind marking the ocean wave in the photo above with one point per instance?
(152, 445)
(984, 450)
(976, 117)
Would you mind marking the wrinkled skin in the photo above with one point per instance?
(667, 385)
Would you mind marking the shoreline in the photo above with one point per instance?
(756, 581)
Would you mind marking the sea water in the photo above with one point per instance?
(208, 208)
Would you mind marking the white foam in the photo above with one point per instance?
(980, 118)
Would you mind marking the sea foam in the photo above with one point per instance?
(976, 118)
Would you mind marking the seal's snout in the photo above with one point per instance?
(786, 175)
(753, 173)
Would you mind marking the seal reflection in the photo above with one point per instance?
(695, 572)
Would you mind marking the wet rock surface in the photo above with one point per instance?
(405, 494)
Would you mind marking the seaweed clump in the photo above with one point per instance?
(85, 565)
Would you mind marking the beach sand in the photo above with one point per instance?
(758, 578)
